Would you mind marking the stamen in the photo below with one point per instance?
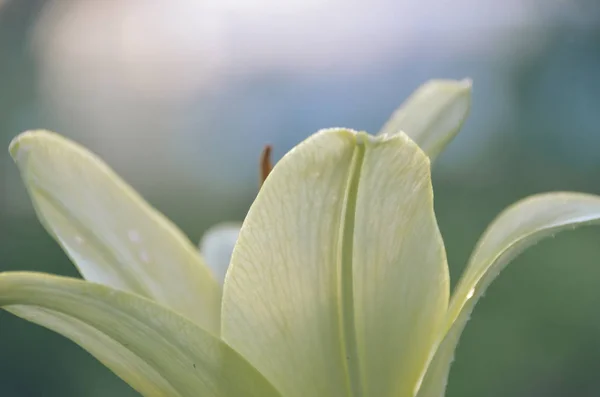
(265, 163)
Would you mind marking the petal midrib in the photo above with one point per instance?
(349, 348)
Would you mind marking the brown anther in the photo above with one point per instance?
(265, 163)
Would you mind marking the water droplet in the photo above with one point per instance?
(134, 236)
(144, 257)
(471, 293)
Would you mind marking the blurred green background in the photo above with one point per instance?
(180, 96)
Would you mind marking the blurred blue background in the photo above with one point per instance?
(180, 96)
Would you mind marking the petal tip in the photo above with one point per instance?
(455, 89)
(465, 86)
(466, 83)
(21, 144)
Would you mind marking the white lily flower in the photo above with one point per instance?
(337, 286)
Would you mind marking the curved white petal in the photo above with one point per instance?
(517, 228)
(433, 114)
(338, 280)
(110, 233)
(217, 245)
(155, 350)
(124, 363)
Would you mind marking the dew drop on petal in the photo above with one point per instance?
(134, 236)
(471, 293)
(144, 257)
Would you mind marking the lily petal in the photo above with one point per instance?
(433, 114)
(217, 245)
(110, 233)
(338, 281)
(517, 228)
(155, 350)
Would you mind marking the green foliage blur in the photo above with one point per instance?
(534, 127)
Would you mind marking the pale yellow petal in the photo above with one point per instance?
(110, 233)
(155, 350)
(433, 114)
(338, 279)
(217, 245)
(517, 228)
